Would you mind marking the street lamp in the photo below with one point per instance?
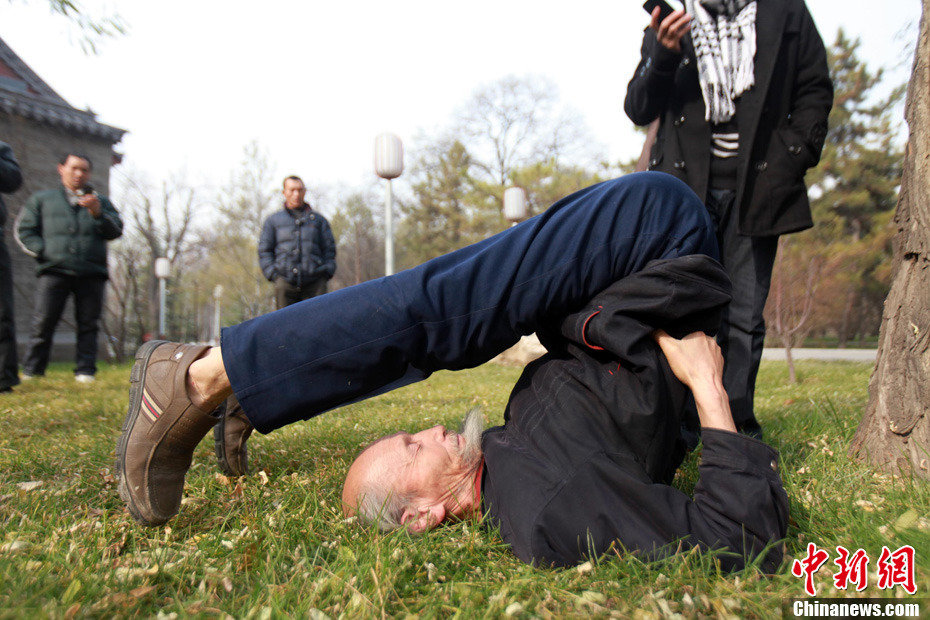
(217, 294)
(162, 271)
(514, 205)
(389, 164)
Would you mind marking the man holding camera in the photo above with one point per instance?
(66, 230)
(742, 92)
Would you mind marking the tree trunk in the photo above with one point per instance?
(894, 433)
(792, 375)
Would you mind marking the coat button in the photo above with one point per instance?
(654, 161)
(294, 270)
(794, 149)
(680, 165)
(678, 121)
(762, 165)
(774, 465)
(685, 61)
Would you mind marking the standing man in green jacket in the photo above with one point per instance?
(66, 230)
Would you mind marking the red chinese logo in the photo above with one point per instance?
(806, 567)
(852, 569)
(897, 568)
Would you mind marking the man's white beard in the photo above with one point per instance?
(471, 429)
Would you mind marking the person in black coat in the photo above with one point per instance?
(741, 129)
(591, 441)
(11, 179)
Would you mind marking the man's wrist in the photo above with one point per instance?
(713, 405)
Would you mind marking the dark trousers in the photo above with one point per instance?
(52, 291)
(9, 369)
(286, 293)
(461, 309)
(748, 262)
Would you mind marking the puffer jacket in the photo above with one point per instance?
(10, 177)
(297, 245)
(67, 240)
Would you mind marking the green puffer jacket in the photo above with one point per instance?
(66, 240)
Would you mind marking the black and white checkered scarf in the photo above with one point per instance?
(724, 36)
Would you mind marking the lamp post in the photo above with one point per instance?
(389, 164)
(514, 205)
(217, 294)
(162, 271)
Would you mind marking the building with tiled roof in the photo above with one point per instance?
(41, 126)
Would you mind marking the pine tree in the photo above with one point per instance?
(855, 187)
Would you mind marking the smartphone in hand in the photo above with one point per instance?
(665, 8)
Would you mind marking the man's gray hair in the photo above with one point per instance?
(381, 505)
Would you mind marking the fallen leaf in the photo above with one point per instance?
(141, 591)
(14, 546)
(263, 476)
(907, 520)
(513, 609)
(29, 486)
(227, 584)
(585, 568)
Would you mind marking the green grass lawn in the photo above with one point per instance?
(275, 544)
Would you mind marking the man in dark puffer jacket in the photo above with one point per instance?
(296, 249)
(66, 230)
(297, 252)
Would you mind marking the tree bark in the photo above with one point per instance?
(894, 433)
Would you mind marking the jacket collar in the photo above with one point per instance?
(301, 210)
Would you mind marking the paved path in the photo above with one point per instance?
(849, 355)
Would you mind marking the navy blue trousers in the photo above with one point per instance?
(461, 309)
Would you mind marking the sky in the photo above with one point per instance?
(314, 82)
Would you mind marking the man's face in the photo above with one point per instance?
(74, 172)
(294, 192)
(428, 469)
(425, 462)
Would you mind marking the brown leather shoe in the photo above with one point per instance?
(229, 437)
(160, 432)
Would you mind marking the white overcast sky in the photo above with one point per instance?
(314, 82)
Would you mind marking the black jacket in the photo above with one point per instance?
(11, 178)
(297, 246)
(782, 119)
(591, 438)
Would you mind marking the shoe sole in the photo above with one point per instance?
(219, 442)
(136, 382)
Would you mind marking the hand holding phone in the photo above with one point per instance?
(668, 32)
(665, 9)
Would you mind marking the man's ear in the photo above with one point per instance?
(422, 518)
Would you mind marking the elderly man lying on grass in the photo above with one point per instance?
(619, 280)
